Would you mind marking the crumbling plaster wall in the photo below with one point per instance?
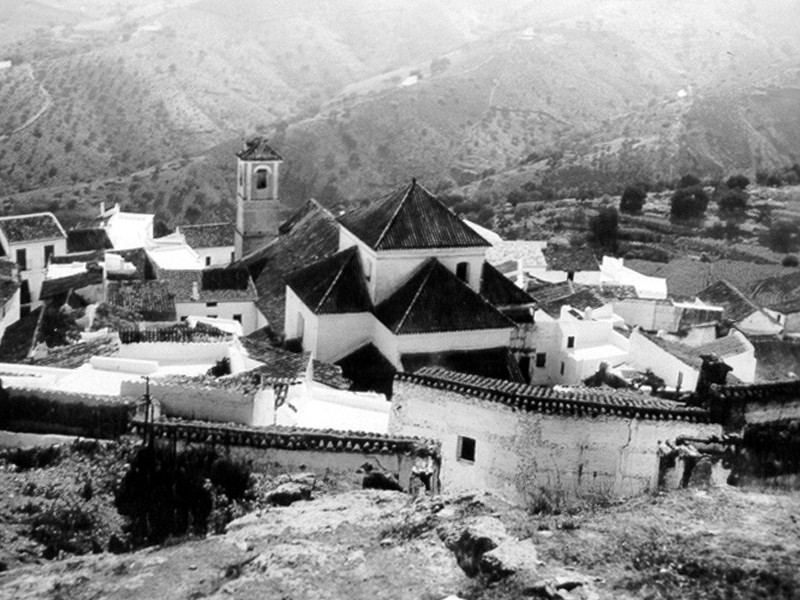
(519, 453)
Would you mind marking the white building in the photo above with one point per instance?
(521, 441)
(126, 230)
(30, 240)
(9, 295)
(213, 242)
(407, 279)
(614, 271)
(739, 310)
(227, 294)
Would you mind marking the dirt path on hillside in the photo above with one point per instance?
(48, 102)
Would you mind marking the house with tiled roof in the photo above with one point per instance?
(679, 364)
(569, 263)
(149, 300)
(215, 293)
(408, 277)
(787, 313)
(30, 240)
(739, 310)
(516, 439)
(214, 242)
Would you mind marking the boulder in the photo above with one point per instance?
(509, 557)
(288, 493)
(471, 540)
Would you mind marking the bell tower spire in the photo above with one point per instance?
(257, 203)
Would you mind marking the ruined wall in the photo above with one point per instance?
(517, 453)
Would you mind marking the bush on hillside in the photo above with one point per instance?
(738, 182)
(733, 201)
(688, 181)
(632, 200)
(688, 203)
(790, 260)
(783, 236)
(604, 230)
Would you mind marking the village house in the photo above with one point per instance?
(739, 310)
(522, 441)
(215, 293)
(213, 242)
(679, 364)
(30, 240)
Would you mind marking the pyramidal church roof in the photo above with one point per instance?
(257, 149)
(410, 218)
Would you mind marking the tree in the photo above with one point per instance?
(783, 236)
(688, 203)
(632, 200)
(604, 229)
(738, 182)
(688, 181)
(733, 201)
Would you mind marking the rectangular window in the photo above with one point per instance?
(462, 271)
(48, 252)
(466, 449)
(541, 359)
(571, 341)
(261, 179)
(237, 318)
(233, 256)
(22, 259)
(212, 316)
(562, 368)
(210, 304)
(208, 261)
(183, 318)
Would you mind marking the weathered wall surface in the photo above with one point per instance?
(776, 410)
(518, 453)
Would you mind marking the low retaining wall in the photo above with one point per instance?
(339, 454)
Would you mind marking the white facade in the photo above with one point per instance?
(518, 453)
(246, 313)
(613, 270)
(10, 312)
(127, 230)
(218, 256)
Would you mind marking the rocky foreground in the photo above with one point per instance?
(378, 544)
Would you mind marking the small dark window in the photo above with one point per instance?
(562, 368)
(571, 276)
(183, 318)
(261, 179)
(525, 367)
(462, 271)
(571, 341)
(212, 316)
(466, 449)
(233, 256)
(24, 293)
(210, 304)
(22, 259)
(208, 261)
(541, 359)
(237, 318)
(48, 252)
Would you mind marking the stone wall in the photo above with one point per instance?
(520, 453)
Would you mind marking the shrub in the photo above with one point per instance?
(632, 200)
(739, 182)
(790, 260)
(688, 203)
(604, 229)
(783, 236)
(688, 181)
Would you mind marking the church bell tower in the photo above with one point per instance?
(257, 217)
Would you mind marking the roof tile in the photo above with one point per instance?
(334, 285)
(33, 227)
(208, 235)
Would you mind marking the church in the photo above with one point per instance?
(402, 282)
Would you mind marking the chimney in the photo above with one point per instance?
(195, 291)
(712, 371)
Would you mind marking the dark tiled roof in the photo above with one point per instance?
(544, 292)
(257, 149)
(369, 370)
(777, 360)
(758, 392)
(787, 307)
(73, 356)
(330, 375)
(28, 228)
(277, 362)
(435, 300)
(88, 256)
(580, 300)
(497, 363)
(682, 352)
(87, 240)
(62, 285)
(310, 235)
(723, 348)
(213, 285)
(334, 285)
(686, 277)
(410, 218)
(208, 235)
(151, 299)
(776, 290)
(580, 401)
(500, 290)
(569, 259)
(612, 291)
(736, 305)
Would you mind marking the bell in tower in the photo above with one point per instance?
(257, 204)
